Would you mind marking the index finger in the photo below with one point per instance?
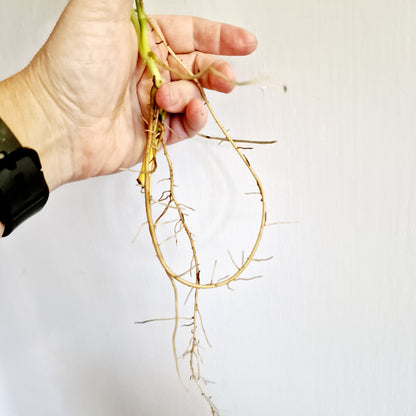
(186, 34)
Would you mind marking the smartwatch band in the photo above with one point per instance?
(23, 189)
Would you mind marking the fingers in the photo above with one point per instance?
(175, 96)
(188, 114)
(186, 34)
(188, 124)
(197, 42)
(214, 73)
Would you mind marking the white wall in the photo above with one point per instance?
(331, 327)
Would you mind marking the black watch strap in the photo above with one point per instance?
(8, 141)
(23, 189)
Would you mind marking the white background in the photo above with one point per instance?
(330, 329)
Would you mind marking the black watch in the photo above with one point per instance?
(23, 189)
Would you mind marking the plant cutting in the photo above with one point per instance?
(168, 201)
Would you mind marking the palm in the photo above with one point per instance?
(94, 80)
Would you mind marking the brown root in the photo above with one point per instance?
(168, 202)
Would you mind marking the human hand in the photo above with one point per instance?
(83, 100)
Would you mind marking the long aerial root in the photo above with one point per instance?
(168, 200)
(148, 174)
(225, 139)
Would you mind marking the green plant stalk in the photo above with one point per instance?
(139, 20)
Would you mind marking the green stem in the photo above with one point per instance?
(139, 20)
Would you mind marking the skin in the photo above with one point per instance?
(82, 101)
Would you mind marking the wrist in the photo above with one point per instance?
(34, 119)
